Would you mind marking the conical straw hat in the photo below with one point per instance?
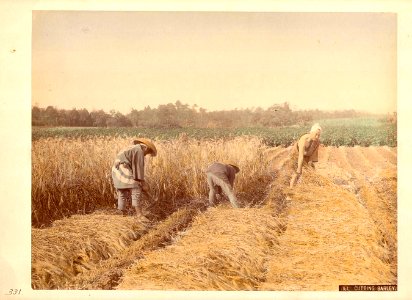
(234, 166)
(148, 143)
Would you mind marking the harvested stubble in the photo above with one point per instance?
(372, 155)
(330, 240)
(71, 246)
(359, 161)
(389, 154)
(107, 274)
(225, 249)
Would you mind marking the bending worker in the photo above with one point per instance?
(128, 174)
(307, 148)
(221, 177)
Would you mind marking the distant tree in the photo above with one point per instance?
(303, 117)
(394, 118)
(37, 116)
(73, 117)
(201, 120)
(117, 119)
(283, 115)
(275, 115)
(220, 119)
(257, 117)
(134, 117)
(148, 117)
(244, 118)
(99, 118)
(51, 116)
(85, 118)
(179, 114)
(167, 115)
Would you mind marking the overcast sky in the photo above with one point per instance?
(219, 61)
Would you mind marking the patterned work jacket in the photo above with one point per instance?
(128, 167)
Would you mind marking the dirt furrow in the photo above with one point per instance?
(371, 154)
(272, 153)
(278, 159)
(337, 169)
(359, 162)
(342, 158)
(282, 158)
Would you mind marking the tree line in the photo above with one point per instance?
(177, 114)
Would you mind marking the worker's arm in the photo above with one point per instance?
(301, 147)
(231, 176)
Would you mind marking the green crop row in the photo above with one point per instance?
(342, 132)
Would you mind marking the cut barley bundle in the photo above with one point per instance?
(375, 188)
(380, 198)
(225, 249)
(330, 240)
(73, 245)
(106, 275)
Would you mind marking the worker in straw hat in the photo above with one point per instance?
(128, 174)
(307, 151)
(221, 176)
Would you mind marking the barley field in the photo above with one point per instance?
(337, 226)
(73, 175)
